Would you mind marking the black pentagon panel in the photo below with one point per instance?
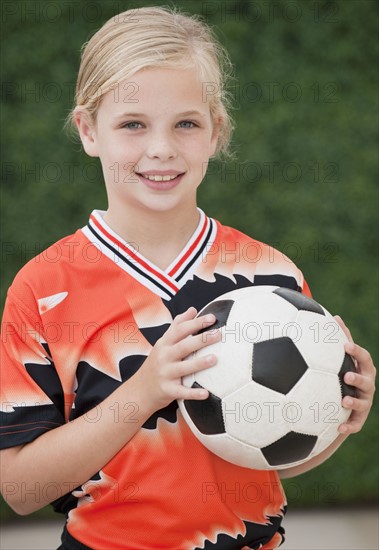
(298, 300)
(347, 366)
(290, 448)
(206, 414)
(220, 310)
(277, 364)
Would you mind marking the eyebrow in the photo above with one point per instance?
(142, 115)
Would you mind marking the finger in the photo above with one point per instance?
(344, 328)
(175, 330)
(364, 383)
(182, 328)
(194, 343)
(359, 405)
(201, 323)
(178, 391)
(192, 393)
(359, 414)
(362, 356)
(357, 417)
(190, 366)
(351, 427)
(189, 313)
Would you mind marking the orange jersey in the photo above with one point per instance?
(79, 320)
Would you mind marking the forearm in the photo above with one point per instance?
(71, 454)
(316, 461)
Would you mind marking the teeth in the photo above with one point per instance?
(159, 178)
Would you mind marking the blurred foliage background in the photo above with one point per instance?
(304, 176)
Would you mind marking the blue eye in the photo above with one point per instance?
(187, 124)
(132, 125)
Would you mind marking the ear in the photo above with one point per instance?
(215, 135)
(86, 131)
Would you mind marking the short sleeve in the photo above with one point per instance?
(31, 394)
(306, 290)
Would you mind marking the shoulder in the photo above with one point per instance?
(248, 246)
(43, 273)
(255, 257)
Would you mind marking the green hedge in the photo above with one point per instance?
(304, 178)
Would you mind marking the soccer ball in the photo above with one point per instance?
(275, 393)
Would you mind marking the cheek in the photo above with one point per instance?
(200, 147)
(200, 156)
(119, 162)
(119, 154)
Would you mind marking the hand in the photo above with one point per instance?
(164, 368)
(364, 382)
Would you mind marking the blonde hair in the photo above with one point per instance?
(154, 37)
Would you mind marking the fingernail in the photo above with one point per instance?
(210, 318)
(211, 359)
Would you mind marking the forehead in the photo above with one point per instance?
(160, 91)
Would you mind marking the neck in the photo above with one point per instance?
(158, 236)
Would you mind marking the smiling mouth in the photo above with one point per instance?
(158, 177)
(161, 182)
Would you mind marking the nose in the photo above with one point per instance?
(161, 146)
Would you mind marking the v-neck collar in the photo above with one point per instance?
(166, 283)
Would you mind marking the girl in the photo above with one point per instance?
(93, 344)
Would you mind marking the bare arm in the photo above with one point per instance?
(89, 445)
